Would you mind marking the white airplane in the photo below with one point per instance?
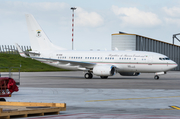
(99, 63)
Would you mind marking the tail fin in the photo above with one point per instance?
(39, 40)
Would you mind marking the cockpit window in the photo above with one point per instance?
(164, 58)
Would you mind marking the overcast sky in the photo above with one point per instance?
(95, 20)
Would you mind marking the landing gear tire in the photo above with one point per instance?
(91, 76)
(104, 77)
(88, 75)
(3, 99)
(156, 77)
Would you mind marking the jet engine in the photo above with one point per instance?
(104, 70)
(129, 73)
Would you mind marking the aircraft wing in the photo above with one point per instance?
(79, 64)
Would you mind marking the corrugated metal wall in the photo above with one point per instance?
(170, 50)
(123, 42)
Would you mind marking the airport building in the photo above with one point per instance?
(125, 41)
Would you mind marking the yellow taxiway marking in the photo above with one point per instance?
(175, 107)
(132, 98)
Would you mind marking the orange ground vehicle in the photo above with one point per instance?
(7, 87)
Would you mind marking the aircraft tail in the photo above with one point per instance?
(39, 40)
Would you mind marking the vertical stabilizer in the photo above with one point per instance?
(39, 40)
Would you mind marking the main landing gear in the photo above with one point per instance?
(88, 75)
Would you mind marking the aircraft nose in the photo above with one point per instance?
(174, 64)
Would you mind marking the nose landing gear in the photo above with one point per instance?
(156, 77)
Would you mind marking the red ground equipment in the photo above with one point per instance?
(7, 86)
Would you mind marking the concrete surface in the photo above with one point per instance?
(76, 80)
(116, 97)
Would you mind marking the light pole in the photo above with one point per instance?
(73, 8)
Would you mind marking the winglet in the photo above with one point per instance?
(20, 51)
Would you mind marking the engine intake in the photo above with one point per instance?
(104, 70)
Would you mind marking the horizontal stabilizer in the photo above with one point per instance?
(33, 53)
(20, 51)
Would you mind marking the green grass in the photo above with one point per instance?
(27, 64)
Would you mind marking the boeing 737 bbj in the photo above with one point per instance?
(100, 63)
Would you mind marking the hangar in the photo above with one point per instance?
(125, 41)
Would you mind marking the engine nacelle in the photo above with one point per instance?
(104, 70)
(129, 73)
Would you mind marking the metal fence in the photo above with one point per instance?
(11, 49)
